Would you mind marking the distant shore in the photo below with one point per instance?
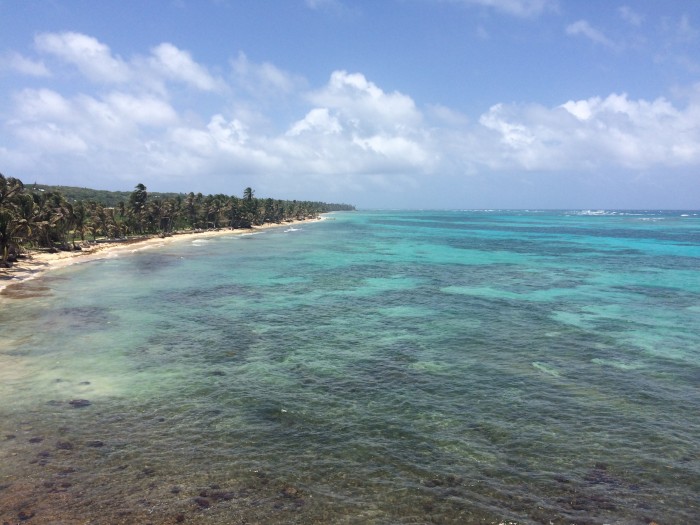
(37, 263)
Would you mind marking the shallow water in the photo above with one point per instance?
(380, 367)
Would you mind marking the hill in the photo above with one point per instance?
(109, 199)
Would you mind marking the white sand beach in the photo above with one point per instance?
(37, 263)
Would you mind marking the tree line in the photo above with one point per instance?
(41, 218)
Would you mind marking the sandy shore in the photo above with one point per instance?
(37, 263)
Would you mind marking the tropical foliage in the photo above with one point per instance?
(42, 217)
(110, 199)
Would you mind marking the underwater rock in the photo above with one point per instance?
(36, 439)
(79, 403)
(433, 483)
(290, 492)
(598, 475)
(217, 495)
(202, 502)
(96, 443)
(24, 516)
(180, 518)
(64, 445)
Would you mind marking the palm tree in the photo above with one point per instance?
(248, 194)
(16, 215)
(137, 206)
(54, 219)
(80, 217)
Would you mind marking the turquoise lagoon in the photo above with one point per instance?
(377, 367)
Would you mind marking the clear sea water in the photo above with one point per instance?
(377, 367)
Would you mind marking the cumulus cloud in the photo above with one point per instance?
(144, 110)
(593, 133)
(356, 127)
(347, 133)
(94, 59)
(109, 125)
(41, 104)
(583, 28)
(177, 64)
(51, 138)
(317, 120)
(363, 104)
(90, 56)
(23, 65)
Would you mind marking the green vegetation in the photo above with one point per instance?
(110, 199)
(40, 216)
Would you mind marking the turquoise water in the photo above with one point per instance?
(377, 367)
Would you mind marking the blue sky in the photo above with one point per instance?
(380, 103)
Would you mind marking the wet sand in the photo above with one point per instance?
(37, 263)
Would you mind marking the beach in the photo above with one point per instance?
(36, 262)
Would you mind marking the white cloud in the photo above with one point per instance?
(446, 116)
(358, 128)
(227, 135)
(583, 28)
(144, 110)
(394, 148)
(364, 105)
(23, 65)
(166, 63)
(177, 64)
(594, 133)
(318, 120)
(42, 104)
(630, 16)
(264, 79)
(111, 124)
(522, 8)
(347, 133)
(51, 138)
(90, 56)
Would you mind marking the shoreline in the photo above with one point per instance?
(38, 263)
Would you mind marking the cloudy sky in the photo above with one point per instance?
(379, 103)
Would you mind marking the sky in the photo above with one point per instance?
(379, 103)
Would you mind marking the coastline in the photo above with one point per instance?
(38, 263)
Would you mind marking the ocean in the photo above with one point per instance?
(380, 367)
